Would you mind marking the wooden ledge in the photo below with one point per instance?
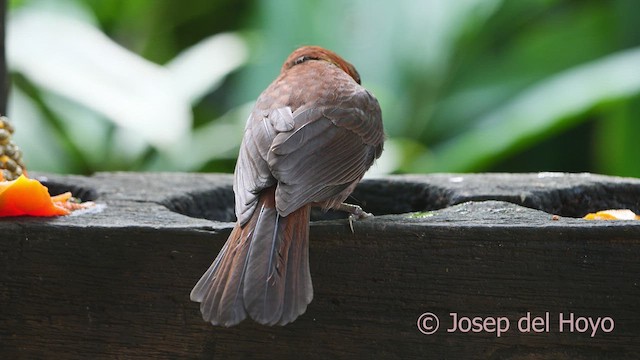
(115, 283)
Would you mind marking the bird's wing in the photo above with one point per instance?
(252, 173)
(329, 149)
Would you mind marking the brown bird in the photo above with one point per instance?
(310, 138)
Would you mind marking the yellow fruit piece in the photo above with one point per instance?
(614, 214)
(25, 196)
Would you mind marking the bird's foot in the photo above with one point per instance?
(355, 213)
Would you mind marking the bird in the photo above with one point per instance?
(311, 136)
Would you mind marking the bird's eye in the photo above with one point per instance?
(303, 58)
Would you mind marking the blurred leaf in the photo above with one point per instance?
(151, 103)
(524, 43)
(36, 137)
(616, 144)
(398, 152)
(219, 139)
(544, 108)
(76, 159)
(84, 65)
(201, 68)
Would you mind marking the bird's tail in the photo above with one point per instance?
(262, 270)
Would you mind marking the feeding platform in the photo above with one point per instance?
(504, 261)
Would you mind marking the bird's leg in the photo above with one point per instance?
(355, 213)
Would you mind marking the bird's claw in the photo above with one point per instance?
(355, 213)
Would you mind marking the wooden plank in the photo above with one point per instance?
(116, 284)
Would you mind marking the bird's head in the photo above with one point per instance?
(317, 53)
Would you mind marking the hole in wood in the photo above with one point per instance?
(574, 201)
(384, 197)
(375, 196)
(83, 193)
(580, 200)
(215, 204)
(564, 195)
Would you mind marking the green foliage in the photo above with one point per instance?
(470, 85)
(102, 106)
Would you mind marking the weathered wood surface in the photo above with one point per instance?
(115, 284)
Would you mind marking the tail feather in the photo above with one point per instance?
(264, 290)
(299, 289)
(211, 287)
(262, 270)
(200, 290)
(231, 304)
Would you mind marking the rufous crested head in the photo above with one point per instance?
(307, 53)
